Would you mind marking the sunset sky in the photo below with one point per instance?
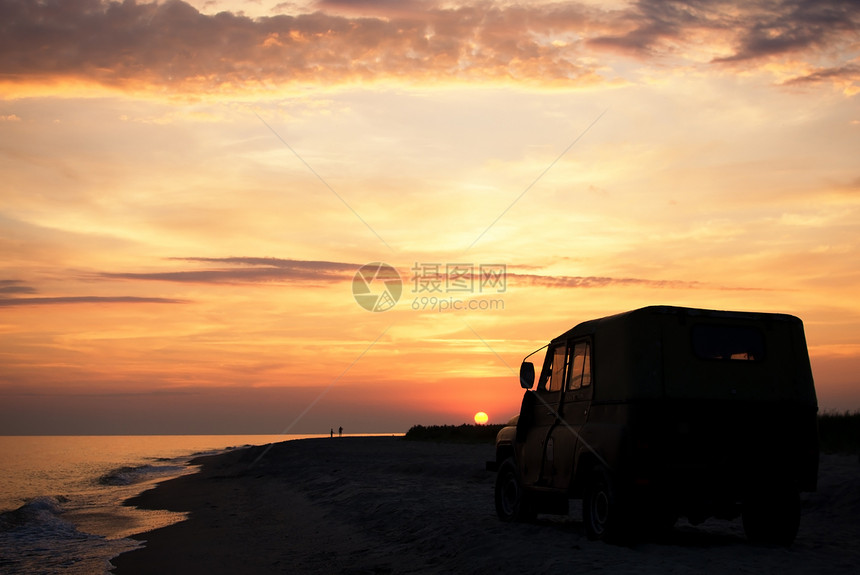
(189, 188)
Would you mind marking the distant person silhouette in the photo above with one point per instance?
(332, 431)
(340, 431)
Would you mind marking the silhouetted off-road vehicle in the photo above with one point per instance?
(665, 412)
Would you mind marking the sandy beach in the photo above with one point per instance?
(376, 505)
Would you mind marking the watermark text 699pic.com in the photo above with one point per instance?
(433, 303)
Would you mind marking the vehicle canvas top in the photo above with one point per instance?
(685, 353)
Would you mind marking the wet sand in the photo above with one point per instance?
(376, 505)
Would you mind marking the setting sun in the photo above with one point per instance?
(481, 418)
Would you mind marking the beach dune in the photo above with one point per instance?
(388, 505)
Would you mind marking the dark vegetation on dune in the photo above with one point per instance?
(838, 432)
(466, 433)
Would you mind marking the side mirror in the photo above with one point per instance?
(527, 375)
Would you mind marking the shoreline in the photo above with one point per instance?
(388, 505)
(61, 499)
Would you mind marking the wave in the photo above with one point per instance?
(220, 450)
(42, 511)
(35, 539)
(130, 475)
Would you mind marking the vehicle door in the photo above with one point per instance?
(576, 400)
(543, 409)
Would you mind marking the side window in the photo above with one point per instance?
(580, 366)
(728, 342)
(557, 379)
(546, 370)
(586, 367)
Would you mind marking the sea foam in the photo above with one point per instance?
(36, 539)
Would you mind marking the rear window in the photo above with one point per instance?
(728, 342)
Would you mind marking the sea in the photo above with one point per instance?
(61, 498)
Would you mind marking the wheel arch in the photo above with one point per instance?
(504, 451)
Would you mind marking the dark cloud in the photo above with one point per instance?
(648, 26)
(573, 282)
(848, 74)
(513, 278)
(28, 301)
(249, 270)
(15, 287)
(387, 8)
(789, 26)
(238, 270)
(596, 281)
(756, 29)
(323, 266)
(172, 45)
(374, 4)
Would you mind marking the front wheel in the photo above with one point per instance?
(512, 502)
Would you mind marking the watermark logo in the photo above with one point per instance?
(377, 286)
(464, 278)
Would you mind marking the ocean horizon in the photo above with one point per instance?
(61, 498)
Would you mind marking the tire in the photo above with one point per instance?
(772, 517)
(601, 511)
(512, 501)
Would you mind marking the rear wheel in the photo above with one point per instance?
(512, 501)
(772, 516)
(601, 511)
